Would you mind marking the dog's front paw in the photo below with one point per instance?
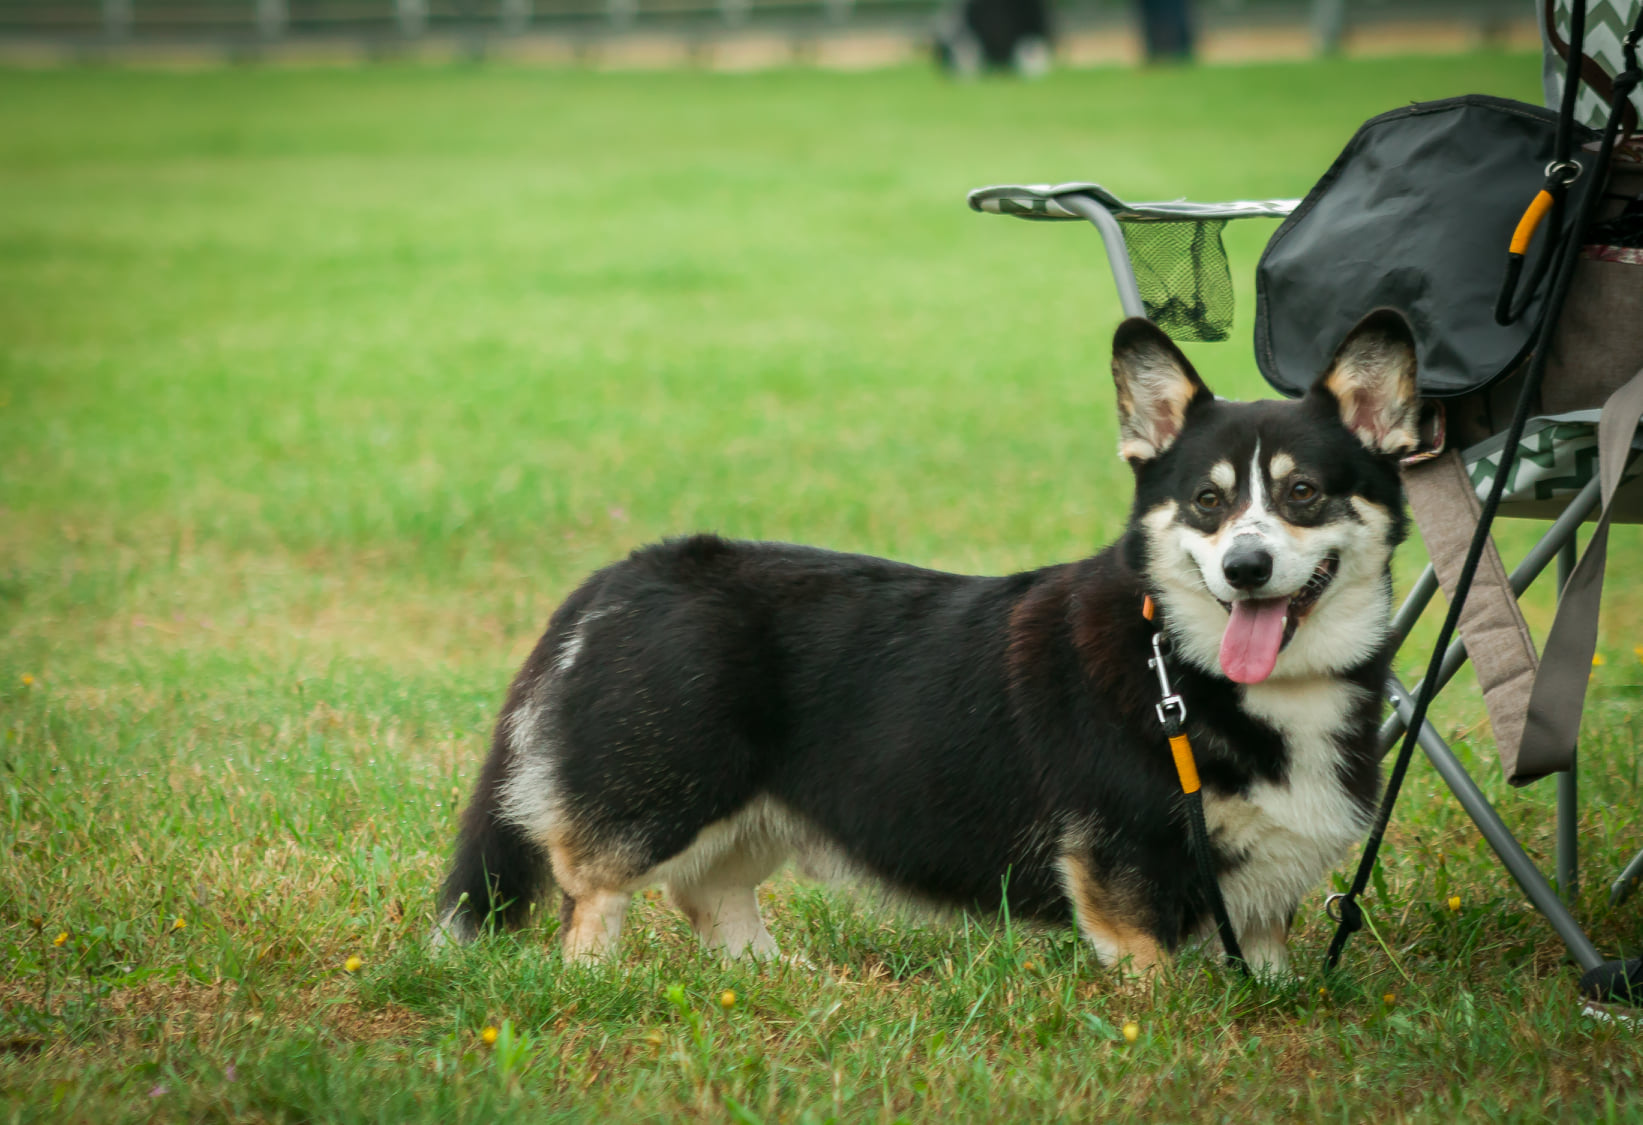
(1265, 946)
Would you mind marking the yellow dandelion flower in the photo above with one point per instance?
(27, 679)
(1132, 1031)
(1638, 652)
(178, 923)
(1387, 999)
(1323, 992)
(60, 939)
(1028, 966)
(727, 999)
(1454, 904)
(488, 1035)
(353, 964)
(1597, 660)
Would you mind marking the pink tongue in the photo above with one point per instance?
(1249, 647)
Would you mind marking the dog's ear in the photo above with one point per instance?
(1372, 379)
(1155, 385)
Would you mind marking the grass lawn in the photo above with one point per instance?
(319, 389)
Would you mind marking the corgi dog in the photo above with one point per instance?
(704, 709)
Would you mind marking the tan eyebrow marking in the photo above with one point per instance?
(1224, 476)
(1281, 465)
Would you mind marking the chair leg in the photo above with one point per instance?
(1535, 886)
(1568, 783)
(1568, 832)
(1420, 596)
(1558, 540)
(1621, 889)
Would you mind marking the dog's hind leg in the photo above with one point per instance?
(598, 882)
(593, 923)
(722, 900)
(1108, 919)
(727, 918)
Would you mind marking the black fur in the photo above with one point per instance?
(942, 730)
(934, 722)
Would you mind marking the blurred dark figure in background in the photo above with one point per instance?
(996, 35)
(1166, 26)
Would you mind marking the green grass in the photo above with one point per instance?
(317, 391)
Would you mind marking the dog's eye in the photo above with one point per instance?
(1208, 499)
(1303, 492)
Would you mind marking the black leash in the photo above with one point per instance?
(1560, 173)
(1344, 908)
(1172, 715)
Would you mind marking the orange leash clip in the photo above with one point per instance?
(1532, 218)
(1172, 710)
(1559, 175)
(1172, 716)
(1186, 766)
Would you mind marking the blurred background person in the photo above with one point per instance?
(1166, 29)
(996, 35)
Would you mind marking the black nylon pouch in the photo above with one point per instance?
(1416, 214)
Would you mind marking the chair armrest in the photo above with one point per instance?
(1048, 202)
(1190, 303)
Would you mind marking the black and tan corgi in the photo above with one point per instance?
(704, 709)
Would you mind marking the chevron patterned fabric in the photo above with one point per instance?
(1607, 22)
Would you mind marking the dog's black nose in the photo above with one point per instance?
(1247, 565)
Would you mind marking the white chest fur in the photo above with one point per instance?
(1293, 831)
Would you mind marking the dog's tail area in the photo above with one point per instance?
(501, 869)
(499, 872)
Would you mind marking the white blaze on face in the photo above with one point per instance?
(1254, 634)
(1257, 488)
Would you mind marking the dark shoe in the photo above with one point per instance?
(1615, 982)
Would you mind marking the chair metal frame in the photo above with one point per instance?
(1551, 897)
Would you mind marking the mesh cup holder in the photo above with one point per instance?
(1182, 272)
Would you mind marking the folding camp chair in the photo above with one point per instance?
(1168, 264)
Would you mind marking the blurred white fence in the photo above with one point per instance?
(247, 23)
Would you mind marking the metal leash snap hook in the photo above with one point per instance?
(1329, 906)
(1168, 704)
(1169, 700)
(1564, 172)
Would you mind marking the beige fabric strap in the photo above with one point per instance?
(1445, 506)
(1553, 722)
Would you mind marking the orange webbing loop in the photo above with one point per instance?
(1185, 766)
(1146, 607)
(1526, 226)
